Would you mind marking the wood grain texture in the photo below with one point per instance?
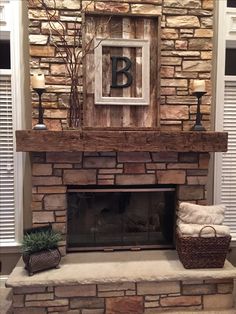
(123, 27)
(95, 140)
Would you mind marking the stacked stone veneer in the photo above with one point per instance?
(53, 172)
(186, 53)
(126, 298)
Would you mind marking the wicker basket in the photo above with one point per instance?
(200, 252)
(42, 260)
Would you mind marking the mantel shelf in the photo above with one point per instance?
(95, 140)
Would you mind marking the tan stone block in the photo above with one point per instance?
(108, 294)
(36, 206)
(183, 3)
(190, 165)
(42, 51)
(225, 288)
(191, 192)
(83, 177)
(198, 66)
(186, 21)
(45, 303)
(207, 4)
(165, 156)
(180, 301)
(99, 162)
(206, 55)
(56, 113)
(75, 291)
(131, 305)
(174, 82)
(172, 112)
(59, 227)
(105, 177)
(156, 166)
(46, 180)
(181, 53)
(181, 44)
(31, 289)
(133, 157)
(36, 39)
(150, 288)
(218, 301)
(92, 311)
(149, 298)
(30, 310)
(41, 169)
(62, 166)
(37, 197)
(88, 6)
(135, 179)
(43, 217)
(64, 157)
(131, 168)
(197, 180)
(167, 71)
(116, 286)
(169, 33)
(105, 182)
(196, 289)
(112, 7)
(55, 202)
(39, 296)
(128, 292)
(60, 309)
(203, 32)
(111, 171)
(168, 91)
(58, 69)
(171, 177)
(52, 189)
(88, 303)
(204, 161)
(200, 44)
(18, 300)
(149, 9)
(171, 61)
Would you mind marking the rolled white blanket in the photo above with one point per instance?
(202, 215)
(193, 230)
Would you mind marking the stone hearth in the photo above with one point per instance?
(127, 282)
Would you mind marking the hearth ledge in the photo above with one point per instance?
(100, 267)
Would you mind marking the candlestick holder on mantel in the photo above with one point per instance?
(40, 125)
(198, 125)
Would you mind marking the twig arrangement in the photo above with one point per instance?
(72, 53)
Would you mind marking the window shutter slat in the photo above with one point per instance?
(228, 182)
(7, 194)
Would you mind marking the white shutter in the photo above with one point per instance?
(7, 197)
(228, 182)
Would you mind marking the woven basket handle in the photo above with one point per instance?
(200, 232)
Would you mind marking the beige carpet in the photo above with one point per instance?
(5, 300)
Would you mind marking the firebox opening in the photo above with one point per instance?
(120, 217)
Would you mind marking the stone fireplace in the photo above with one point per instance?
(55, 173)
(122, 148)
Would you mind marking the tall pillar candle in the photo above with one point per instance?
(38, 81)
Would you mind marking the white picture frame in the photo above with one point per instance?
(99, 99)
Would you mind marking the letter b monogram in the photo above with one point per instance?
(124, 71)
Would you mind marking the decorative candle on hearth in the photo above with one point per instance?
(38, 81)
(199, 86)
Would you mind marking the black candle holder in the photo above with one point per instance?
(198, 125)
(40, 125)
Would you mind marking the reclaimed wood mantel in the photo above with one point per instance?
(95, 140)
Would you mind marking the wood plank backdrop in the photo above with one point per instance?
(124, 27)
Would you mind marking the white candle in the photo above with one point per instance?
(38, 81)
(199, 86)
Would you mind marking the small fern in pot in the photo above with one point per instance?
(40, 249)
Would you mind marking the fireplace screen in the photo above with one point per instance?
(120, 218)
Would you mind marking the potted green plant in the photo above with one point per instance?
(40, 249)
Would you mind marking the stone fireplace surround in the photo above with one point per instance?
(120, 282)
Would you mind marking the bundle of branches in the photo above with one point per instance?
(69, 47)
